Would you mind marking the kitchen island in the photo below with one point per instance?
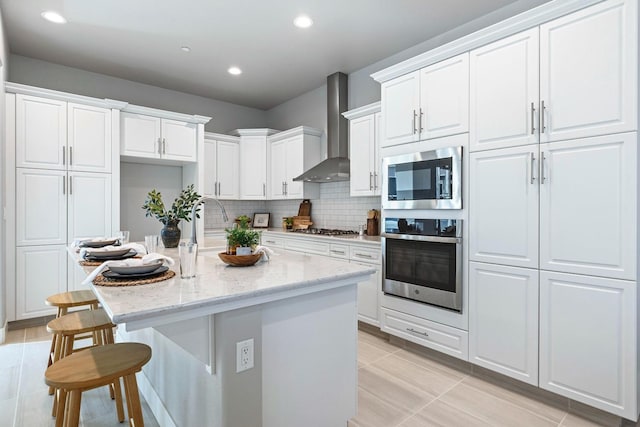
(298, 311)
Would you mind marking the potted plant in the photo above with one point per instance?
(241, 236)
(180, 209)
(287, 222)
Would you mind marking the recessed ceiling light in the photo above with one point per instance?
(185, 49)
(234, 70)
(54, 17)
(302, 21)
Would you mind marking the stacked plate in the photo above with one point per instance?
(98, 243)
(136, 271)
(110, 254)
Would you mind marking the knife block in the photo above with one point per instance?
(372, 227)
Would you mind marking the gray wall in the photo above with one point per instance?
(4, 50)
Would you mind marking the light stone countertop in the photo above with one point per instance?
(218, 287)
(349, 238)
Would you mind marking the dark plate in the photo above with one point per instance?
(97, 243)
(111, 255)
(112, 275)
(136, 269)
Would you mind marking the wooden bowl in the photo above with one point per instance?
(239, 260)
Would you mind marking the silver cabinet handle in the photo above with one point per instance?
(533, 158)
(219, 188)
(270, 241)
(159, 146)
(417, 332)
(415, 130)
(64, 155)
(370, 180)
(533, 114)
(70, 155)
(420, 121)
(164, 146)
(367, 256)
(542, 159)
(264, 189)
(70, 185)
(542, 110)
(286, 188)
(64, 185)
(333, 251)
(375, 180)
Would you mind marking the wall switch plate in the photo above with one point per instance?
(244, 355)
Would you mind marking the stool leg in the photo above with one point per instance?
(56, 345)
(133, 401)
(68, 345)
(72, 415)
(117, 392)
(61, 399)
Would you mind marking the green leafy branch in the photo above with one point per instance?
(180, 208)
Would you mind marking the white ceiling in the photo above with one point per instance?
(140, 40)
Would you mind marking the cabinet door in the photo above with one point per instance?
(588, 72)
(295, 166)
(41, 132)
(41, 271)
(503, 206)
(41, 207)
(253, 169)
(368, 296)
(587, 340)
(400, 108)
(444, 98)
(179, 140)
(362, 152)
(278, 172)
(227, 167)
(210, 178)
(89, 136)
(503, 320)
(588, 206)
(504, 92)
(89, 205)
(377, 183)
(140, 135)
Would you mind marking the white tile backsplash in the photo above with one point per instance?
(334, 209)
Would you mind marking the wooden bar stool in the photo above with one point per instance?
(63, 302)
(96, 367)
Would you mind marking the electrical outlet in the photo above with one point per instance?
(244, 355)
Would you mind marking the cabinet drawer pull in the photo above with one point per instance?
(533, 112)
(533, 158)
(542, 110)
(270, 241)
(367, 256)
(417, 332)
(333, 251)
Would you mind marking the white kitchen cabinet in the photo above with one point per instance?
(368, 291)
(144, 136)
(588, 340)
(504, 92)
(503, 320)
(588, 213)
(89, 138)
(428, 103)
(253, 167)
(364, 150)
(572, 77)
(221, 167)
(41, 271)
(503, 206)
(89, 205)
(291, 153)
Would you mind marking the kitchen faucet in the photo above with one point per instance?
(193, 215)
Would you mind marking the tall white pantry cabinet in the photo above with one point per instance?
(60, 163)
(553, 206)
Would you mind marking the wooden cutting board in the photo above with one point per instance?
(305, 208)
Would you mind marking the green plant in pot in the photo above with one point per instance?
(241, 236)
(180, 210)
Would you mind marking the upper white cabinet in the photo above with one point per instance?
(364, 150)
(291, 153)
(67, 135)
(588, 347)
(221, 166)
(428, 103)
(588, 213)
(253, 168)
(586, 66)
(157, 138)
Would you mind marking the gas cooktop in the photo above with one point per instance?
(326, 232)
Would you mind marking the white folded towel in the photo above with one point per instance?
(147, 259)
(140, 249)
(266, 252)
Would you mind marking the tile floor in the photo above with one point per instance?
(400, 385)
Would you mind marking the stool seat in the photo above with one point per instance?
(72, 299)
(79, 322)
(96, 367)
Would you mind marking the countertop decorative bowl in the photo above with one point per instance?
(239, 260)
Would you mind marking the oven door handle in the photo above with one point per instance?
(436, 239)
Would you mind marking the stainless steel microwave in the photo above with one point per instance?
(426, 180)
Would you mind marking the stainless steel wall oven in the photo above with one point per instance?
(422, 260)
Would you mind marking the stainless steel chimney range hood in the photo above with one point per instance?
(336, 167)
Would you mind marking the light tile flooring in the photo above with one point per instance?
(400, 385)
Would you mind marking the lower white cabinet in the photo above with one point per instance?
(587, 340)
(368, 292)
(41, 271)
(503, 320)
